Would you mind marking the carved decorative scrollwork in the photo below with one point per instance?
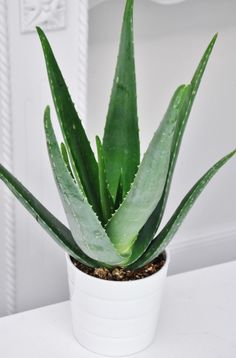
(49, 14)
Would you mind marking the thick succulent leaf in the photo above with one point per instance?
(59, 232)
(121, 134)
(164, 237)
(81, 155)
(147, 233)
(106, 198)
(148, 184)
(86, 229)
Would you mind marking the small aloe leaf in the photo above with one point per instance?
(119, 194)
(82, 159)
(59, 232)
(106, 199)
(86, 229)
(148, 184)
(121, 134)
(147, 233)
(164, 237)
(66, 159)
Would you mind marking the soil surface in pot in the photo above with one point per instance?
(122, 274)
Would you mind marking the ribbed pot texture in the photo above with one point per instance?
(115, 318)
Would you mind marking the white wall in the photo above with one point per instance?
(169, 42)
(40, 265)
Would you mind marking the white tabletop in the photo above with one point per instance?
(198, 320)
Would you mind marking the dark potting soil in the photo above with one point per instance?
(122, 274)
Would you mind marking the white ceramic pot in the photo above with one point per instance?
(115, 318)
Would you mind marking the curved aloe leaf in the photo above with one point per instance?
(81, 155)
(86, 229)
(148, 184)
(106, 199)
(164, 237)
(121, 134)
(59, 232)
(147, 233)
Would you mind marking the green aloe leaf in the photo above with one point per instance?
(59, 232)
(81, 155)
(66, 159)
(159, 244)
(181, 124)
(86, 229)
(149, 182)
(106, 199)
(147, 233)
(119, 194)
(121, 134)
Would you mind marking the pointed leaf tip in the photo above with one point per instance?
(40, 32)
(214, 38)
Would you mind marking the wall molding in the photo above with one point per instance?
(204, 240)
(7, 160)
(203, 250)
(82, 59)
(7, 157)
(94, 3)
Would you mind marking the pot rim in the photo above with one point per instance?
(130, 282)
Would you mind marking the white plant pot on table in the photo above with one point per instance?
(115, 318)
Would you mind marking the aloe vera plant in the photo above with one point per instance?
(113, 202)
